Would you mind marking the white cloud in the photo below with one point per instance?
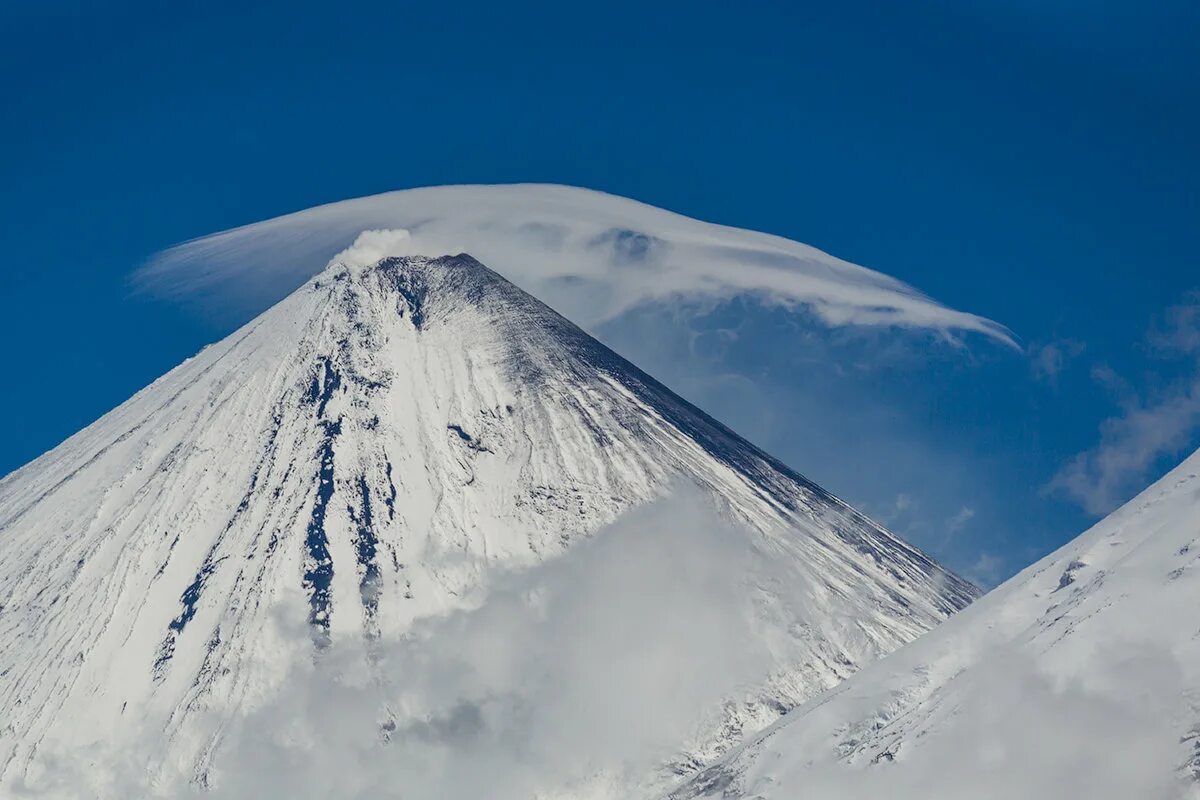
(1049, 360)
(1149, 427)
(372, 246)
(960, 520)
(589, 254)
(985, 570)
(1179, 330)
(567, 680)
(1102, 478)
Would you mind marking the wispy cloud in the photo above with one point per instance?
(960, 520)
(1179, 330)
(1150, 426)
(589, 254)
(1047, 361)
(986, 569)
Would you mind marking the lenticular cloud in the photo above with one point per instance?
(589, 254)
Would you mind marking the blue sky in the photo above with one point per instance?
(1036, 166)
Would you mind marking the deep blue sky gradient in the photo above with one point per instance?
(1036, 166)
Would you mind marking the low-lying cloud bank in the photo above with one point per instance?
(575, 675)
(589, 254)
(576, 678)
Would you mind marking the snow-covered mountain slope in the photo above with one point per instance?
(1079, 677)
(363, 455)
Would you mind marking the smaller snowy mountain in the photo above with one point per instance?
(1079, 677)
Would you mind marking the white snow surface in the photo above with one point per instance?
(1079, 677)
(588, 254)
(367, 456)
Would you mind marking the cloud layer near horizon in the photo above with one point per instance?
(589, 254)
(577, 677)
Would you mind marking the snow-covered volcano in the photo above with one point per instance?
(1078, 677)
(362, 456)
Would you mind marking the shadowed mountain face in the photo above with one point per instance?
(362, 456)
